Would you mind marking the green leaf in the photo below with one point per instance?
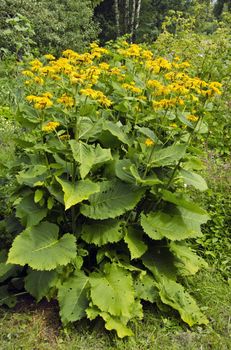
(147, 181)
(173, 294)
(102, 232)
(84, 155)
(146, 289)
(116, 286)
(38, 196)
(167, 156)
(72, 297)
(34, 174)
(178, 199)
(115, 198)
(193, 179)
(186, 261)
(148, 227)
(41, 249)
(160, 261)
(117, 131)
(122, 170)
(38, 283)
(148, 133)
(116, 323)
(102, 155)
(134, 240)
(179, 224)
(6, 298)
(29, 212)
(89, 155)
(77, 192)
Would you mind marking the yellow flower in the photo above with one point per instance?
(104, 66)
(149, 142)
(39, 80)
(192, 118)
(68, 101)
(35, 65)
(49, 57)
(40, 102)
(215, 86)
(50, 126)
(28, 73)
(132, 88)
(173, 125)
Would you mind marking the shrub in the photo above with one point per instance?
(101, 196)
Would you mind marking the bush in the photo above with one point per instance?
(101, 200)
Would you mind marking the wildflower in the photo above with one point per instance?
(39, 80)
(215, 86)
(68, 101)
(132, 88)
(50, 126)
(149, 142)
(49, 57)
(35, 65)
(173, 125)
(28, 73)
(192, 118)
(40, 102)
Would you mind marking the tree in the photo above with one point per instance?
(58, 24)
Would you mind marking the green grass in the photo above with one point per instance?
(32, 326)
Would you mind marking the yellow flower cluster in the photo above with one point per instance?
(50, 126)
(155, 82)
(66, 100)
(40, 102)
(131, 87)
(97, 95)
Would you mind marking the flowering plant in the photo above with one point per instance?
(102, 201)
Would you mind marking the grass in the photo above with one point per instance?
(30, 326)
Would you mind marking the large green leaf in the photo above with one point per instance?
(102, 232)
(146, 288)
(147, 181)
(38, 283)
(84, 155)
(193, 179)
(186, 261)
(115, 198)
(117, 131)
(41, 249)
(134, 240)
(167, 156)
(179, 224)
(160, 261)
(88, 156)
(178, 199)
(72, 297)
(112, 291)
(29, 212)
(111, 322)
(34, 174)
(117, 324)
(77, 192)
(173, 294)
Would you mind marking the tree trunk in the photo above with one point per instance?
(117, 17)
(126, 16)
(133, 14)
(137, 22)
